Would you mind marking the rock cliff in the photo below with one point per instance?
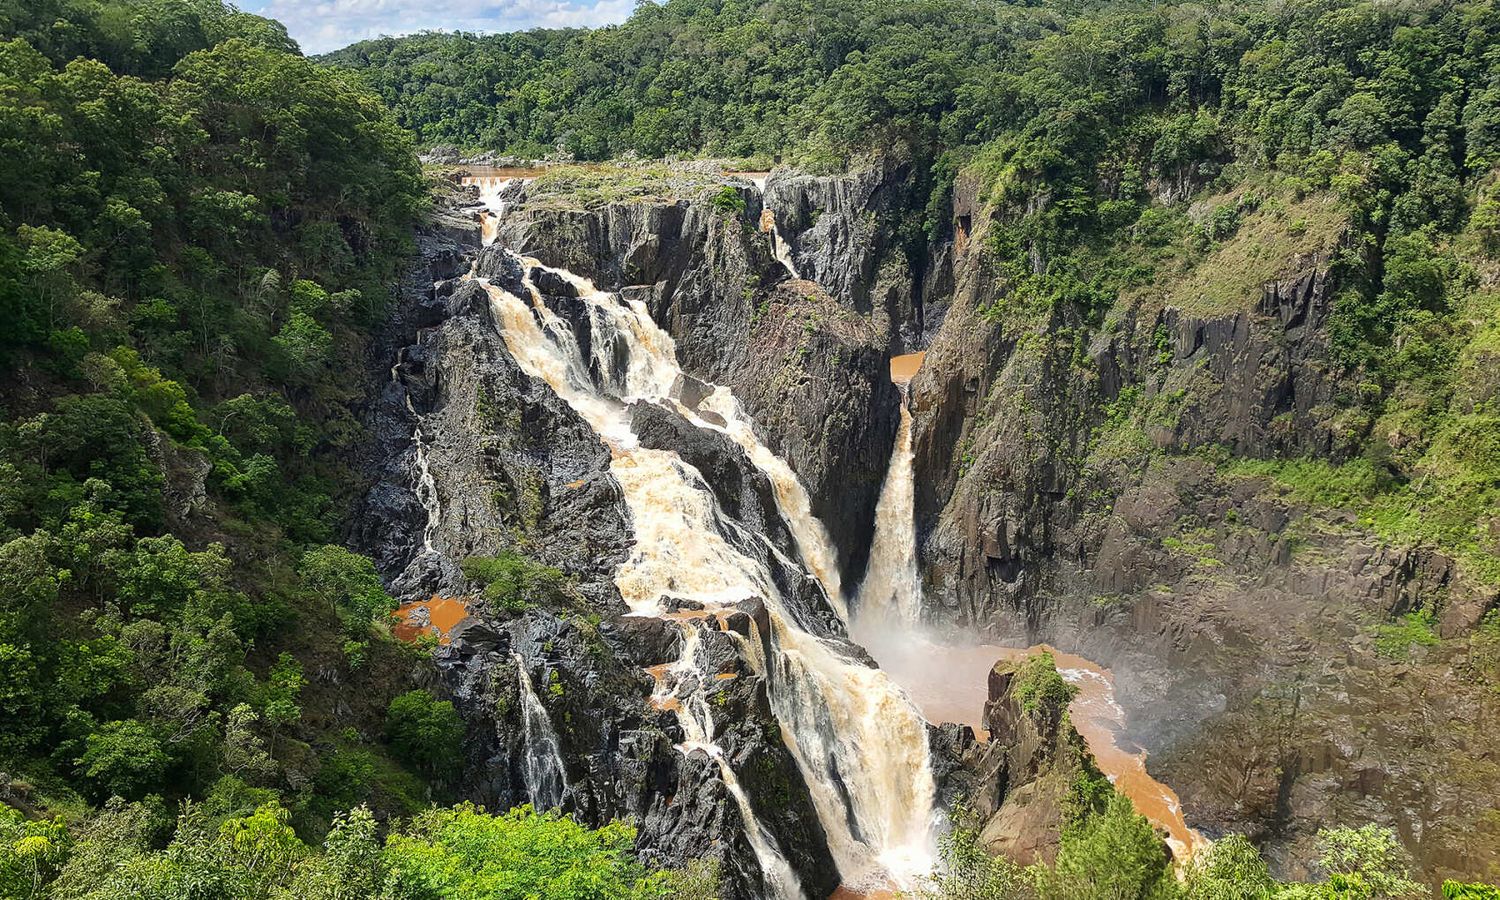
(1083, 483)
(473, 457)
(807, 360)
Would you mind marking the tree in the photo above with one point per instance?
(425, 732)
(1230, 869)
(464, 852)
(1114, 854)
(348, 583)
(1367, 863)
(282, 690)
(968, 872)
(352, 866)
(31, 852)
(123, 758)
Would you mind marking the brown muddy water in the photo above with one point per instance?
(904, 367)
(951, 684)
(442, 614)
(490, 177)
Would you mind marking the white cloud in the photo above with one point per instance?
(324, 25)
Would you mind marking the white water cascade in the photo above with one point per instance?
(891, 594)
(541, 766)
(779, 246)
(858, 740)
(697, 722)
(425, 486)
(491, 189)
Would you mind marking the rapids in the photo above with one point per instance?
(859, 742)
(491, 182)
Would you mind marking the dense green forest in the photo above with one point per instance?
(198, 230)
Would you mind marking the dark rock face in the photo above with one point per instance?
(514, 461)
(810, 368)
(742, 490)
(1067, 493)
(472, 456)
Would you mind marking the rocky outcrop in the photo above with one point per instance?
(1014, 785)
(473, 457)
(1033, 759)
(1077, 485)
(809, 369)
(841, 231)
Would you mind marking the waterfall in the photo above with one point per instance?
(427, 493)
(857, 739)
(891, 594)
(424, 486)
(490, 191)
(697, 722)
(779, 247)
(541, 766)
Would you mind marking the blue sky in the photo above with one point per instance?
(323, 25)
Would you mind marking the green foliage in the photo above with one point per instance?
(251, 852)
(967, 872)
(1455, 890)
(1449, 508)
(515, 583)
(425, 732)
(1038, 686)
(1414, 629)
(728, 200)
(282, 690)
(31, 853)
(1367, 862)
(462, 852)
(196, 228)
(1111, 852)
(123, 758)
(348, 583)
(1115, 853)
(1230, 869)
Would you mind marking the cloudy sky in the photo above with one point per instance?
(323, 25)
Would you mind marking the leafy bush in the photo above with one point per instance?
(425, 732)
(1415, 629)
(514, 582)
(1039, 686)
(254, 854)
(1367, 862)
(1455, 890)
(728, 200)
(123, 758)
(1115, 853)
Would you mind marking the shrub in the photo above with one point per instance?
(728, 200)
(1114, 854)
(425, 732)
(1038, 684)
(1415, 629)
(514, 583)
